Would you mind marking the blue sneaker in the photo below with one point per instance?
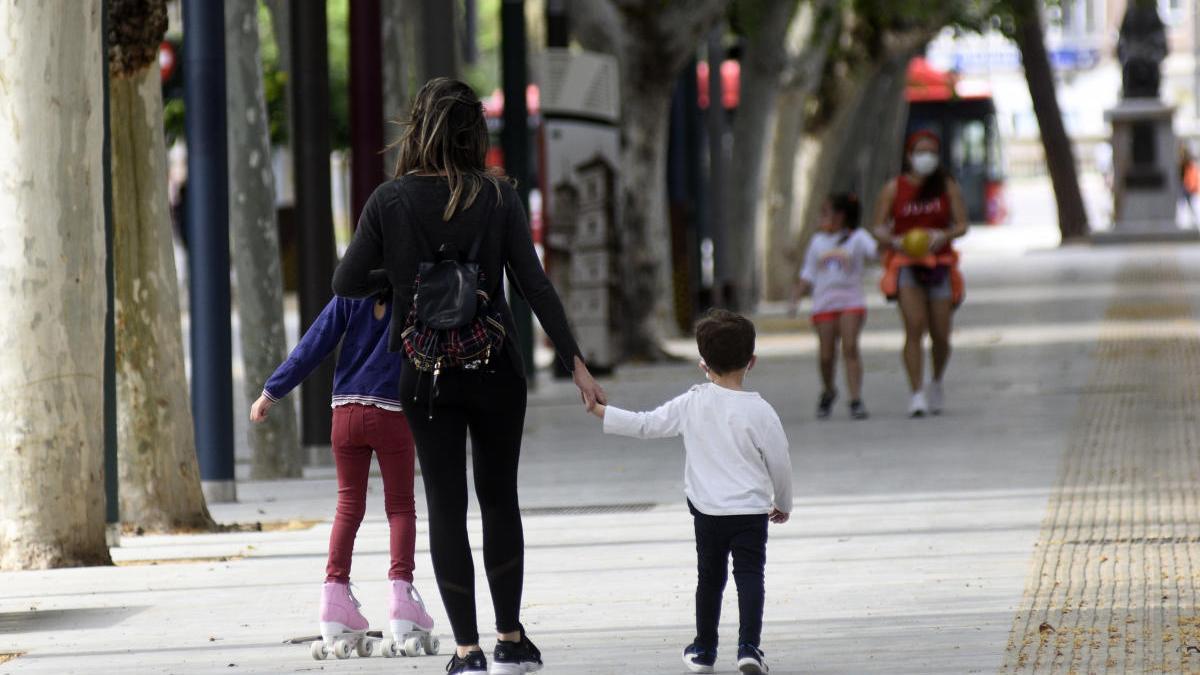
(751, 661)
(699, 659)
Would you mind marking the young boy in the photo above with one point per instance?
(737, 475)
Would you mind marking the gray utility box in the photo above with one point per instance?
(591, 287)
(581, 145)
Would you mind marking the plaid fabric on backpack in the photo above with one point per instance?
(469, 346)
(452, 323)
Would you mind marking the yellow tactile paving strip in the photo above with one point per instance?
(1114, 576)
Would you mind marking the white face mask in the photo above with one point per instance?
(924, 163)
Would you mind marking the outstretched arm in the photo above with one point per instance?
(317, 343)
(662, 422)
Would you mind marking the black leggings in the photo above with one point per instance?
(491, 405)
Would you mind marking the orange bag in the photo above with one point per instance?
(1191, 178)
(892, 261)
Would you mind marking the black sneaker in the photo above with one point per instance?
(516, 658)
(474, 663)
(858, 411)
(699, 659)
(751, 661)
(825, 406)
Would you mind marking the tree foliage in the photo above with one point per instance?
(483, 75)
(275, 80)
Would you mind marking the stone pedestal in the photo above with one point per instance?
(1145, 173)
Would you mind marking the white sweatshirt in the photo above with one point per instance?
(834, 266)
(737, 458)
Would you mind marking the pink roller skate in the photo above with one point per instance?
(409, 622)
(343, 627)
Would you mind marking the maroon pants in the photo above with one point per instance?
(357, 430)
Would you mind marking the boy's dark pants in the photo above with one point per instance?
(716, 537)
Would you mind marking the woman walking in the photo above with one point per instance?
(917, 216)
(443, 200)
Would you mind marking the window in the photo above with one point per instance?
(971, 146)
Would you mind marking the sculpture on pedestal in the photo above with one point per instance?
(1141, 48)
(1146, 183)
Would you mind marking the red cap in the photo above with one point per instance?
(921, 135)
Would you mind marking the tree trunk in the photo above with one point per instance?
(763, 64)
(870, 156)
(811, 40)
(860, 150)
(52, 287)
(1060, 157)
(160, 478)
(254, 237)
(781, 258)
(645, 237)
(651, 41)
(398, 56)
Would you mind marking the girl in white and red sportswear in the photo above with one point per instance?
(833, 274)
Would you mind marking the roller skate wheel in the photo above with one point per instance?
(432, 645)
(318, 650)
(412, 646)
(388, 648)
(342, 649)
(365, 647)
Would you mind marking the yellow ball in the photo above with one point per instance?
(915, 243)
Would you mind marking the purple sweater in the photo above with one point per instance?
(366, 372)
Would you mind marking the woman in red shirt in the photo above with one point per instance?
(928, 288)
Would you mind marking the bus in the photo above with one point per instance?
(963, 115)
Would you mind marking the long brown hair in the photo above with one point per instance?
(446, 134)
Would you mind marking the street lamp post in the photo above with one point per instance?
(366, 103)
(112, 504)
(515, 139)
(207, 219)
(314, 213)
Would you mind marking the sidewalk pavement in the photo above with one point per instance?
(909, 550)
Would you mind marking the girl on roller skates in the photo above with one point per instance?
(366, 416)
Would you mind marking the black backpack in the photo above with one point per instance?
(452, 323)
